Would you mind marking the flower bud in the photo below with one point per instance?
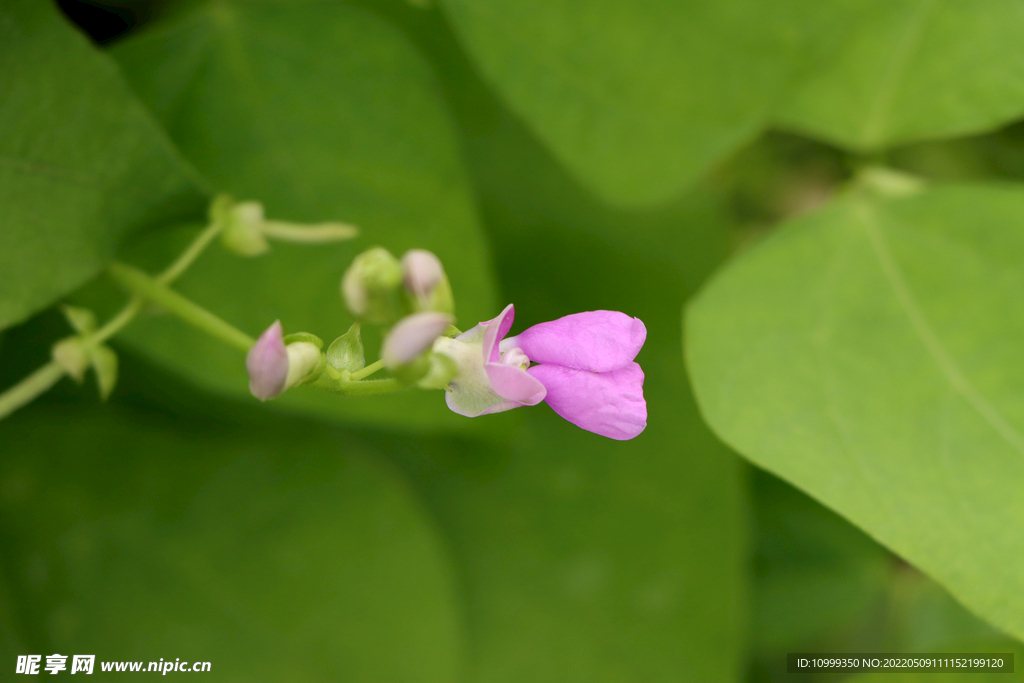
(241, 225)
(424, 279)
(369, 286)
(406, 348)
(303, 360)
(277, 363)
(421, 271)
(267, 363)
(412, 336)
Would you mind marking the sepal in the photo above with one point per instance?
(345, 353)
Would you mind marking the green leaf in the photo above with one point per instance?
(275, 551)
(322, 112)
(81, 163)
(869, 354)
(588, 560)
(892, 72)
(636, 98)
(104, 364)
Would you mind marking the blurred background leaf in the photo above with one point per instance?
(885, 73)
(323, 112)
(275, 551)
(81, 162)
(867, 353)
(637, 99)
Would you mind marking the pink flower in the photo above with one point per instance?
(586, 373)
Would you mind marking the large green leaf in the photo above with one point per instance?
(869, 354)
(323, 112)
(636, 98)
(275, 552)
(81, 162)
(892, 72)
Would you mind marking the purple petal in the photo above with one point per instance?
(267, 363)
(412, 336)
(495, 331)
(597, 341)
(515, 384)
(607, 403)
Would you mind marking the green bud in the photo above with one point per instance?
(104, 363)
(370, 286)
(241, 225)
(72, 355)
(304, 337)
(305, 363)
(346, 352)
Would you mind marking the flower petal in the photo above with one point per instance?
(607, 403)
(515, 384)
(267, 363)
(494, 331)
(597, 341)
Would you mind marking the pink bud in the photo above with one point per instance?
(413, 335)
(421, 272)
(267, 363)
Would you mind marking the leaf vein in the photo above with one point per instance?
(927, 335)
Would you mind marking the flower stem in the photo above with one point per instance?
(367, 371)
(45, 377)
(369, 387)
(191, 253)
(309, 234)
(137, 282)
(29, 388)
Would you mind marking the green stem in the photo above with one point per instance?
(45, 377)
(191, 253)
(125, 316)
(137, 282)
(309, 234)
(367, 371)
(29, 388)
(370, 387)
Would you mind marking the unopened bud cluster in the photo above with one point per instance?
(410, 298)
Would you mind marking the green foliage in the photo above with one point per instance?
(884, 73)
(81, 163)
(866, 350)
(635, 98)
(867, 353)
(273, 551)
(321, 112)
(638, 98)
